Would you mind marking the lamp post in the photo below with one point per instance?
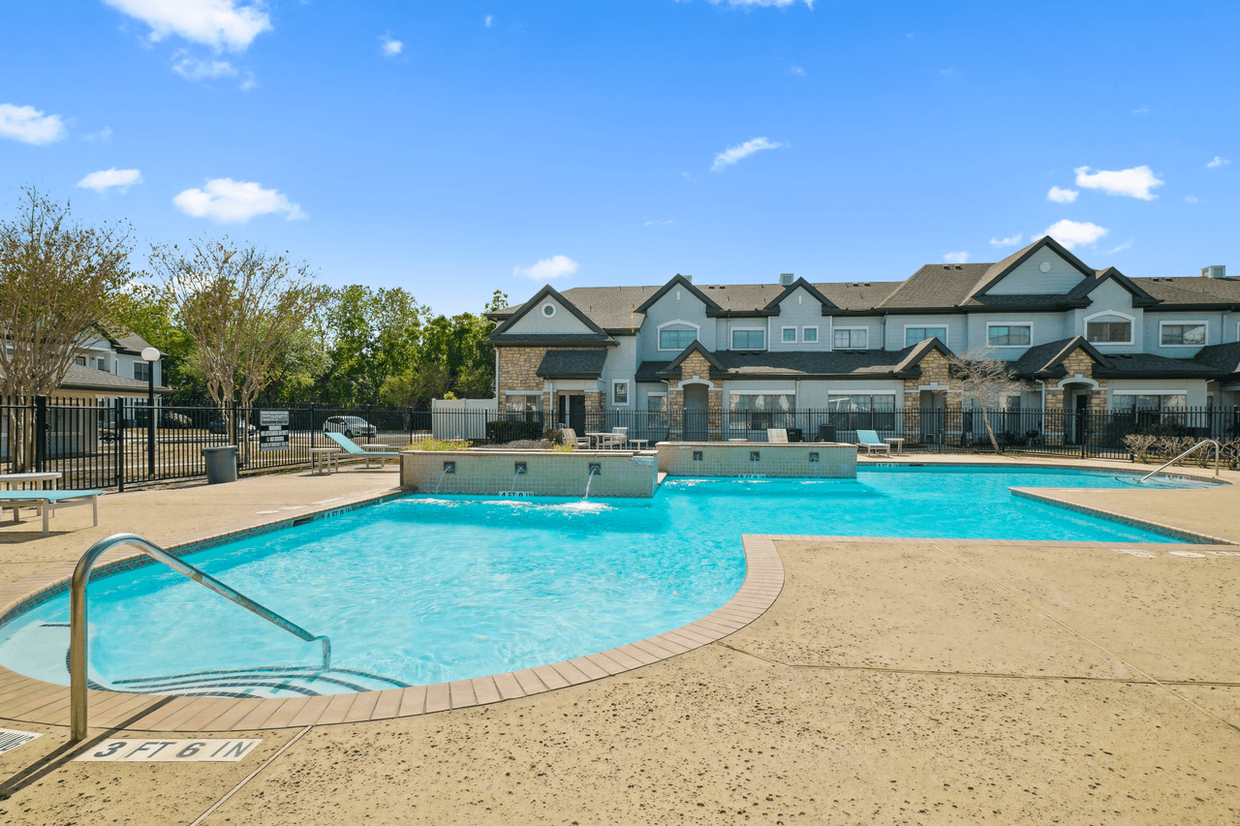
(150, 355)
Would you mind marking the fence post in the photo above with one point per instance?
(939, 416)
(313, 442)
(40, 432)
(1084, 433)
(119, 412)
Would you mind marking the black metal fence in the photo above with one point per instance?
(115, 443)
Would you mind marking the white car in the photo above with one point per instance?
(350, 426)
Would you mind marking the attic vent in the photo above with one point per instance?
(1215, 271)
(785, 279)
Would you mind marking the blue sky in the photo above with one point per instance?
(458, 148)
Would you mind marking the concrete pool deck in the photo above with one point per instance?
(892, 681)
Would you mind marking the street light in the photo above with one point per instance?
(150, 355)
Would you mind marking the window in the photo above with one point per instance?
(620, 393)
(790, 335)
(1183, 334)
(1009, 335)
(862, 410)
(748, 339)
(80, 360)
(809, 335)
(548, 309)
(677, 335)
(1108, 330)
(758, 411)
(656, 407)
(142, 370)
(915, 335)
(102, 364)
(524, 403)
(851, 338)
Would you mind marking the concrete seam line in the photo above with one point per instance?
(1090, 640)
(202, 817)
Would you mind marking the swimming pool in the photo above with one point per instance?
(426, 589)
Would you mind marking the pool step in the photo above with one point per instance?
(275, 681)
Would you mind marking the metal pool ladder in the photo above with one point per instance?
(77, 616)
(1217, 450)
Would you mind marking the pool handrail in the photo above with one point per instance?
(77, 616)
(1217, 451)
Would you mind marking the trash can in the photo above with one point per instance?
(221, 463)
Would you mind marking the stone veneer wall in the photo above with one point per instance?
(695, 366)
(934, 368)
(548, 473)
(732, 459)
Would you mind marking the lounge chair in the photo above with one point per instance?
(354, 452)
(619, 438)
(870, 441)
(777, 435)
(46, 501)
(569, 437)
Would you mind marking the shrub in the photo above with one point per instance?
(1139, 445)
(501, 432)
(438, 444)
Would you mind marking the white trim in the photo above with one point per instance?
(783, 340)
(1132, 326)
(732, 331)
(813, 327)
(658, 332)
(709, 384)
(1149, 391)
(990, 324)
(628, 393)
(1203, 323)
(1077, 382)
(942, 327)
(835, 330)
(543, 309)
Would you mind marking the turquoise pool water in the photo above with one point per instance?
(427, 589)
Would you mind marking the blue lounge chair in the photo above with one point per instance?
(356, 453)
(46, 501)
(870, 441)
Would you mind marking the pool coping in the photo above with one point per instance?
(26, 699)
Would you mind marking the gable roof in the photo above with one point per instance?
(572, 364)
(1047, 359)
(679, 280)
(1140, 298)
(695, 347)
(801, 284)
(1223, 359)
(998, 271)
(546, 292)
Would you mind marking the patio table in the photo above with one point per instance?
(11, 479)
(322, 459)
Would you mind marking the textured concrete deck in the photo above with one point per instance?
(892, 681)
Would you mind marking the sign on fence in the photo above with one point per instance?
(273, 432)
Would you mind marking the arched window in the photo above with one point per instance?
(1108, 328)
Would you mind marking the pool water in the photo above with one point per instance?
(427, 589)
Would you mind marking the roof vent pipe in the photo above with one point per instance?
(785, 279)
(689, 278)
(1215, 271)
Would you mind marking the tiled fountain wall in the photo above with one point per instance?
(798, 460)
(546, 473)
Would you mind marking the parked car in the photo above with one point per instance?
(218, 426)
(350, 426)
(175, 420)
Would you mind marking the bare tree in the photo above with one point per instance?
(986, 382)
(242, 307)
(59, 282)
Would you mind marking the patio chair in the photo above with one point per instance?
(870, 441)
(619, 438)
(569, 437)
(354, 452)
(46, 501)
(777, 435)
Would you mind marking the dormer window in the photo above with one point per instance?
(1108, 328)
(677, 335)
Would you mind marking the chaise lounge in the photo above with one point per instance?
(870, 441)
(46, 501)
(355, 453)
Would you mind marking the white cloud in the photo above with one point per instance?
(228, 201)
(107, 178)
(1192, 199)
(220, 24)
(733, 154)
(658, 223)
(797, 70)
(1144, 110)
(391, 48)
(1074, 233)
(548, 269)
(487, 21)
(775, 3)
(1062, 196)
(249, 82)
(1007, 242)
(956, 257)
(1135, 183)
(1126, 245)
(1217, 162)
(102, 135)
(191, 68)
(29, 125)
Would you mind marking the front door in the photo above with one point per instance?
(572, 412)
(696, 406)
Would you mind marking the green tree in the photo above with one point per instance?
(373, 335)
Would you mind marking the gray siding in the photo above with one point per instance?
(1028, 279)
(562, 322)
